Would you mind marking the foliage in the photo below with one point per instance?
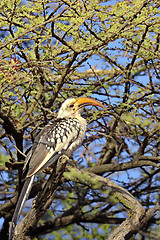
(108, 50)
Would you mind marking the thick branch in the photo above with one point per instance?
(132, 225)
(137, 217)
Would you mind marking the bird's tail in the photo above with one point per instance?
(22, 198)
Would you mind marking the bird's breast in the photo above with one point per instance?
(77, 136)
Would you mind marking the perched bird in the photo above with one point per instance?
(60, 137)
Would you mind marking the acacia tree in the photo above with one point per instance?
(109, 50)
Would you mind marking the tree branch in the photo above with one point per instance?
(122, 166)
(136, 213)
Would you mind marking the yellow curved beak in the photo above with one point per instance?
(85, 101)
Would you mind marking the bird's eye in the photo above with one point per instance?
(71, 105)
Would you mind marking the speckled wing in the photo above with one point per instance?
(54, 140)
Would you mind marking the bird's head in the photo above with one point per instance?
(72, 106)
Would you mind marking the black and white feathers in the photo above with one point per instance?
(60, 137)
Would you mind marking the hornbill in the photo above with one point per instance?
(60, 137)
